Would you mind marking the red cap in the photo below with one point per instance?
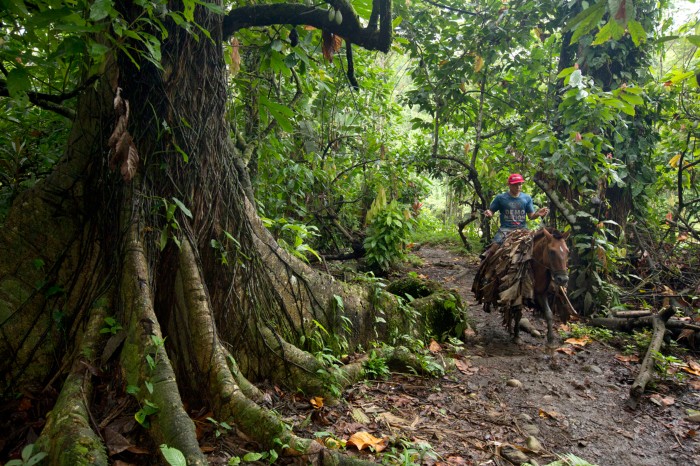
(516, 178)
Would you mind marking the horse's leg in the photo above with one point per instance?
(544, 305)
(517, 314)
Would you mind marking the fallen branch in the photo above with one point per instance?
(647, 367)
(629, 324)
(632, 314)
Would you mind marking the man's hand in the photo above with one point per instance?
(542, 212)
(488, 213)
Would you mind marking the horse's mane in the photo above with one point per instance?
(553, 231)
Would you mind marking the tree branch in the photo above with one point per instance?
(51, 101)
(559, 203)
(370, 37)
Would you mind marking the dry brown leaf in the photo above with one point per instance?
(362, 440)
(235, 56)
(123, 151)
(694, 384)
(316, 402)
(692, 368)
(549, 414)
(567, 350)
(434, 346)
(478, 64)
(115, 442)
(629, 358)
(207, 449)
(131, 162)
(331, 44)
(463, 366)
(662, 400)
(393, 420)
(579, 341)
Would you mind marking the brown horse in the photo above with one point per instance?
(520, 273)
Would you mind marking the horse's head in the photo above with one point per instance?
(556, 255)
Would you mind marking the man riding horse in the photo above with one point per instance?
(515, 206)
(520, 274)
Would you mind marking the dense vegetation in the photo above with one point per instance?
(247, 118)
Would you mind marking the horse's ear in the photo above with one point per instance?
(566, 235)
(547, 233)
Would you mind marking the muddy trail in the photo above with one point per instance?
(508, 404)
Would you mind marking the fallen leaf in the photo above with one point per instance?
(392, 420)
(455, 460)
(316, 402)
(362, 440)
(549, 414)
(359, 416)
(630, 358)
(434, 346)
(464, 367)
(115, 442)
(567, 350)
(694, 384)
(207, 448)
(662, 400)
(579, 341)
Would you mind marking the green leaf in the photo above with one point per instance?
(363, 8)
(98, 50)
(182, 207)
(281, 113)
(18, 82)
(173, 456)
(612, 30)
(36, 459)
(253, 456)
(693, 39)
(164, 238)
(101, 9)
(586, 21)
(637, 32)
(44, 18)
(188, 10)
(140, 417)
(185, 157)
(632, 98)
(17, 7)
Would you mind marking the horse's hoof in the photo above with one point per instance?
(552, 344)
(517, 340)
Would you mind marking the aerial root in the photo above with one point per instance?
(68, 436)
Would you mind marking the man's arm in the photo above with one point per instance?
(537, 214)
(494, 207)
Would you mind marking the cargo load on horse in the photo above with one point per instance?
(519, 274)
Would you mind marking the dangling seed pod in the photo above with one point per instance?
(331, 14)
(338, 17)
(294, 37)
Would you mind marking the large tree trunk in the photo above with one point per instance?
(194, 329)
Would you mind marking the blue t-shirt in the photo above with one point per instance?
(513, 210)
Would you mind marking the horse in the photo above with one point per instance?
(520, 273)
